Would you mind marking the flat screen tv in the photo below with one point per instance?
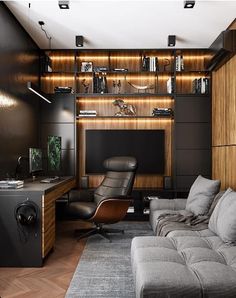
(54, 154)
(148, 146)
(35, 160)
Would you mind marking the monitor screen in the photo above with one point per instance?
(54, 153)
(35, 160)
(148, 146)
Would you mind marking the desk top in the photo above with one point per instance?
(37, 186)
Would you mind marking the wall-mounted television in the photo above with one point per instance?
(148, 146)
(35, 160)
(54, 154)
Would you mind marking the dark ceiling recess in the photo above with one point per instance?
(189, 4)
(223, 48)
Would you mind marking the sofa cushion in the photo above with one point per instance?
(223, 219)
(201, 195)
(185, 266)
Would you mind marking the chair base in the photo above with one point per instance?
(98, 229)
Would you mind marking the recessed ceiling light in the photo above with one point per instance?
(63, 4)
(79, 40)
(189, 4)
(171, 40)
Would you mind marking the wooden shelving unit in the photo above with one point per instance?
(66, 71)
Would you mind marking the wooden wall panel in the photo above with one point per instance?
(218, 165)
(218, 107)
(224, 124)
(230, 101)
(141, 180)
(230, 165)
(105, 107)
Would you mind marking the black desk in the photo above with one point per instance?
(27, 247)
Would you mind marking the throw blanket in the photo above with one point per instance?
(184, 220)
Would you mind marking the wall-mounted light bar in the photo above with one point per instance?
(35, 90)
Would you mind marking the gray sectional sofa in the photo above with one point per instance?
(188, 263)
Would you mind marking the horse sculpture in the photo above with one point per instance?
(125, 109)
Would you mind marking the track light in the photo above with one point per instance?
(63, 4)
(171, 40)
(35, 90)
(79, 40)
(189, 4)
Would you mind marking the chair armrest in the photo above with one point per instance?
(83, 195)
(168, 204)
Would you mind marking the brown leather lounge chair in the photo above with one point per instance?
(110, 201)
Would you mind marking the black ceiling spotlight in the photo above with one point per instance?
(79, 41)
(171, 40)
(63, 4)
(189, 3)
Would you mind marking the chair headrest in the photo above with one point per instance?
(121, 164)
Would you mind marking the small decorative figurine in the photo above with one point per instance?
(141, 88)
(116, 86)
(125, 109)
(86, 86)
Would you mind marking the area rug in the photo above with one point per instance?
(104, 269)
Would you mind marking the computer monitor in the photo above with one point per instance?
(35, 160)
(54, 154)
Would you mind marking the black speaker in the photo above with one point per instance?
(26, 213)
(167, 182)
(84, 182)
(79, 40)
(171, 40)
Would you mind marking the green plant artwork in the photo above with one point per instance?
(54, 153)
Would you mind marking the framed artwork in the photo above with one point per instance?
(86, 66)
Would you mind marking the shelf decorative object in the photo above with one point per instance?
(141, 88)
(85, 85)
(124, 109)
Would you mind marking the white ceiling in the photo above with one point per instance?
(125, 24)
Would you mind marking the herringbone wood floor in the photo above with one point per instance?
(51, 280)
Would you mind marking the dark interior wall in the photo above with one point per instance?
(19, 108)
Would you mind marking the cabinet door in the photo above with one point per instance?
(192, 139)
(192, 109)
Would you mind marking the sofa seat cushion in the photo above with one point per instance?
(183, 233)
(184, 266)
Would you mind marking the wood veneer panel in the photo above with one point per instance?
(219, 165)
(105, 107)
(230, 163)
(230, 101)
(193, 59)
(141, 180)
(62, 60)
(219, 107)
(50, 81)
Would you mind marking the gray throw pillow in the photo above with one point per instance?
(223, 219)
(201, 195)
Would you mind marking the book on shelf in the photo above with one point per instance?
(63, 89)
(179, 63)
(87, 113)
(100, 83)
(162, 112)
(170, 85)
(150, 64)
(200, 86)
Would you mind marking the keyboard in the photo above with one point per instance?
(50, 179)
